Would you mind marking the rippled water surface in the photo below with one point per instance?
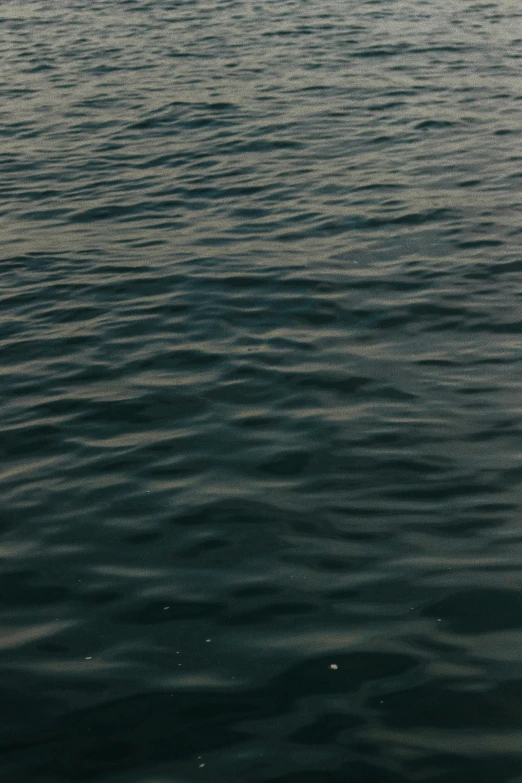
(261, 391)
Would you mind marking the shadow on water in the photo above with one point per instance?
(157, 730)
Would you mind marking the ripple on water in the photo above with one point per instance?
(260, 296)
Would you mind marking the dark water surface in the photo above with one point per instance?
(261, 319)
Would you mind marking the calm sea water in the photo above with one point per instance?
(261, 377)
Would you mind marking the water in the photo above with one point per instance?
(261, 383)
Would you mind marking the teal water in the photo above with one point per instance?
(260, 391)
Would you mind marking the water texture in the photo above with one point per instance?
(261, 319)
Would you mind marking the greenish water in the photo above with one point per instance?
(261, 384)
